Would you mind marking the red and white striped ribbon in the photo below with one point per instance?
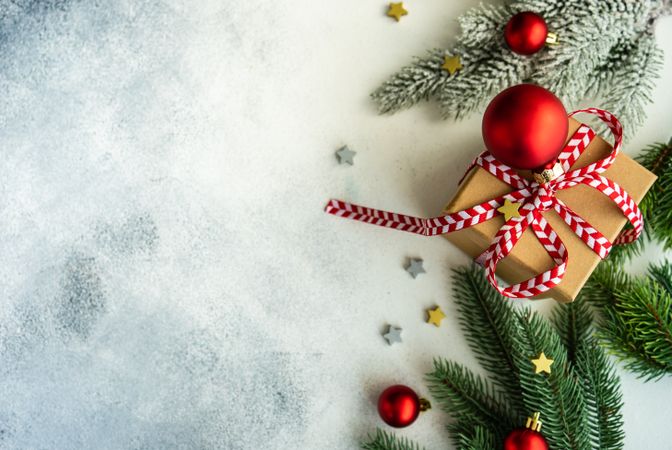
(535, 198)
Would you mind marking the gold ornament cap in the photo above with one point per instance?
(534, 423)
(424, 404)
(547, 175)
(552, 39)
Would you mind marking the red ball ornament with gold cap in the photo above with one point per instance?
(528, 438)
(526, 33)
(525, 127)
(399, 406)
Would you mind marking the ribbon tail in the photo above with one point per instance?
(378, 217)
(426, 227)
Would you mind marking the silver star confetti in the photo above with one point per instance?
(345, 155)
(414, 267)
(393, 334)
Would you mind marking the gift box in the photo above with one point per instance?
(529, 258)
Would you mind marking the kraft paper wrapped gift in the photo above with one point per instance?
(528, 257)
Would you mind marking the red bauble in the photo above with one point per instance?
(525, 127)
(399, 406)
(525, 439)
(525, 33)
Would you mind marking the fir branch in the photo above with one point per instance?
(601, 391)
(488, 66)
(475, 437)
(606, 48)
(413, 83)
(557, 396)
(573, 322)
(468, 397)
(635, 317)
(487, 71)
(647, 309)
(385, 441)
(425, 77)
(489, 325)
(635, 66)
(604, 283)
(662, 274)
(580, 401)
(583, 46)
(657, 205)
(483, 23)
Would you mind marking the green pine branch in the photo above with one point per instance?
(579, 401)
(470, 437)
(603, 399)
(487, 324)
(469, 397)
(556, 395)
(635, 320)
(386, 441)
(573, 322)
(662, 275)
(657, 205)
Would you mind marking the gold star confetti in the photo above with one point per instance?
(509, 209)
(452, 64)
(397, 10)
(542, 364)
(435, 316)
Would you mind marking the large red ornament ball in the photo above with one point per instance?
(525, 439)
(399, 406)
(525, 127)
(525, 33)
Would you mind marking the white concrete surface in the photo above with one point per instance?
(169, 279)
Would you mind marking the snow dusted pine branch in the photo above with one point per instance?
(607, 54)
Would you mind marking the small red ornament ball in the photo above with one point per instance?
(525, 127)
(525, 439)
(525, 33)
(399, 406)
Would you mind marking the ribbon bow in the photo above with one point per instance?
(534, 199)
